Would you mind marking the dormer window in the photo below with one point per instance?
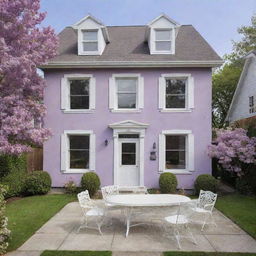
(163, 40)
(90, 40)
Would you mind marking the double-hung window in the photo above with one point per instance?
(163, 40)
(77, 93)
(176, 151)
(90, 40)
(252, 107)
(77, 151)
(126, 92)
(176, 92)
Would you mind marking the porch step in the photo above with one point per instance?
(133, 189)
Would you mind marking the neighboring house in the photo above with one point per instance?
(129, 102)
(243, 105)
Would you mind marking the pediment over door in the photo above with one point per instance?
(128, 124)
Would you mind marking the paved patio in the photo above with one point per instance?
(59, 233)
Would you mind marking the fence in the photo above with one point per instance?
(35, 160)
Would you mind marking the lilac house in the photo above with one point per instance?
(129, 103)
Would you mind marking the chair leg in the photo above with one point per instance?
(205, 220)
(177, 236)
(191, 234)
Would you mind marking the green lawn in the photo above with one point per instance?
(76, 253)
(241, 209)
(28, 214)
(206, 254)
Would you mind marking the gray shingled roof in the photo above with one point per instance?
(127, 43)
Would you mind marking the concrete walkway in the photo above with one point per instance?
(59, 233)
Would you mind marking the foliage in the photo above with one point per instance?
(241, 209)
(70, 187)
(13, 172)
(76, 253)
(28, 214)
(37, 183)
(4, 231)
(234, 150)
(224, 84)
(90, 181)
(206, 182)
(23, 47)
(168, 183)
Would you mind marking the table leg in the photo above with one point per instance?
(128, 220)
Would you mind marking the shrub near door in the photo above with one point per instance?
(168, 183)
(91, 182)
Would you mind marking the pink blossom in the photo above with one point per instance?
(233, 148)
(23, 47)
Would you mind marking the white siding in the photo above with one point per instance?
(248, 88)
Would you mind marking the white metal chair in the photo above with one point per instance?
(90, 210)
(204, 205)
(180, 223)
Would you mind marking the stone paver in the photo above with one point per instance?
(60, 233)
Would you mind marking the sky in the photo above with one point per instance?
(216, 20)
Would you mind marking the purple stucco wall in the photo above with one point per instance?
(199, 121)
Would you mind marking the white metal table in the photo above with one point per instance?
(130, 201)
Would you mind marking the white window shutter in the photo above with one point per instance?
(92, 93)
(64, 152)
(161, 153)
(191, 92)
(92, 152)
(64, 94)
(141, 92)
(191, 152)
(161, 92)
(111, 92)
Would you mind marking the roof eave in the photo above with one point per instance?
(132, 64)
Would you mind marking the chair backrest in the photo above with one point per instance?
(207, 198)
(109, 190)
(84, 199)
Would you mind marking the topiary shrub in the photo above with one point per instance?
(206, 182)
(13, 170)
(90, 181)
(37, 183)
(168, 183)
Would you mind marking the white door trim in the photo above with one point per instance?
(141, 133)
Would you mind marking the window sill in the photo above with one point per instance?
(75, 171)
(180, 110)
(80, 111)
(125, 110)
(177, 172)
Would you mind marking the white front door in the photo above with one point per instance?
(128, 171)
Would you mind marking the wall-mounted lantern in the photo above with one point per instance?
(106, 142)
(153, 153)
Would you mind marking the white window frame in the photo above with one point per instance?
(81, 41)
(113, 99)
(65, 156)
(65, 93)
(189, 151)
(189, 93)
(157, 40)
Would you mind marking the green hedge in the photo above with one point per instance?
(37, 183)
(206, 182)
(90, 181)
(13, 170)
(168, 183)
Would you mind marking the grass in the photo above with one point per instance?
(206, 254)
(241, 209)
(28, 214)
(76, 253)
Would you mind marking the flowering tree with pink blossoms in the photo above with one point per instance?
(235, 151)
(23, 47)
